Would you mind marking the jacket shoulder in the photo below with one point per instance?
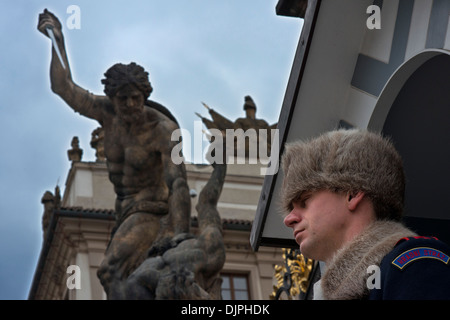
(411, 250)
(416, 268)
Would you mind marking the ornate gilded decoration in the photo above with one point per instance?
(293, 276)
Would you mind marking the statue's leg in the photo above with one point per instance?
(126, 251)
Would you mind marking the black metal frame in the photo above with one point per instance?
(290, 99)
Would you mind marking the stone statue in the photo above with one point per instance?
(152, 196)
(97, 142)
(51, 202)
(189, 267)
(75, 154)
(250, 122)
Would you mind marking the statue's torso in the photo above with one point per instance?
(133, 154)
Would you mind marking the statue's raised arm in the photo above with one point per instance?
(62, 84)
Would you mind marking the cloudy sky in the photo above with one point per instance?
(195, 50)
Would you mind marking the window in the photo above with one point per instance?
(235, 287)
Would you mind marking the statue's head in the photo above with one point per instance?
(249, 103)
(120, 75)
(250, 107)
(128, 88)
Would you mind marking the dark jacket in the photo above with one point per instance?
(418, 268)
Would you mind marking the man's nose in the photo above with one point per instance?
(292, 219)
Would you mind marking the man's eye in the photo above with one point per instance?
(302, 201)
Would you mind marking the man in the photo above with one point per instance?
(152, 200)
(344, 195)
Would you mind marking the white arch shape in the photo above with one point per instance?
(395, 84)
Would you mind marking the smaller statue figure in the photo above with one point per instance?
(97, 143)
(250, 124)
(250, 121)
(50, 202)
(75, 153)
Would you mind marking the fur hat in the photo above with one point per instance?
(346, 161)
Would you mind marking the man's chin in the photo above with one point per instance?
(304, 250)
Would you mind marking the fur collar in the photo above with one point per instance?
(346, 274)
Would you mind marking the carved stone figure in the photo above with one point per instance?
(97, 142)
(152, 196)
(250, 122)
(188, 268)
(75, 154)
(51, 202)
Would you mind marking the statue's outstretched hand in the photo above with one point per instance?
(49, 20)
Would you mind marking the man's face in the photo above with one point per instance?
(129, 103)
(318, 221)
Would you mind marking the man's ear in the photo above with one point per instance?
(354, 199)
